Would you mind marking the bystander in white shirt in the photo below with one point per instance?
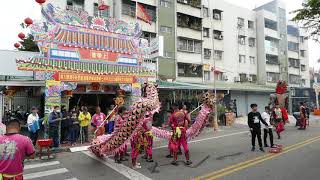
(266, 117)
(33, 119)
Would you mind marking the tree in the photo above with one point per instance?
(28, 44)
(309, 17)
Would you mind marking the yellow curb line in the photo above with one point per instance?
(256, 160)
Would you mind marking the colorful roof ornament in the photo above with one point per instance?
(73, 41)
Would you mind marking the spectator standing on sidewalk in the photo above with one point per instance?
(73, 124)
(98, 122)
(14, 148)
(55, 126)
(64, 126)
(33, 125)
(267, 130)
(84, 118)
(254, 119)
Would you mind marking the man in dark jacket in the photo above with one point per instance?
(254, 118)
(54, 126)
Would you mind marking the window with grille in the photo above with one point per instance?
(207, 53)
(165, 3)
(205, 12)
(189, 45)
(206, 32)
(166, 29)
(218, 55)
(242, 59)
(252, 42)
(250, 24)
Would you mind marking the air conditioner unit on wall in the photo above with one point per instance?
(216, 16)
(237, 79)
(220, 37)
(269, 79)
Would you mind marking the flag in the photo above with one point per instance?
(142, 14)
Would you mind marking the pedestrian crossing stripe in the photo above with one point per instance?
(38, 165)
(45, 173)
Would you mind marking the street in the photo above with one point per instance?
(221, 155)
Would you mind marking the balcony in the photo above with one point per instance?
(272, 59)
(191, 22)
(192, 3)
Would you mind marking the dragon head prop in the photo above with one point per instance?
(208, 99)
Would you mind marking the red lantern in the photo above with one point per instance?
(17, 45)
(21, 35)
(28, 21)
(40, 1)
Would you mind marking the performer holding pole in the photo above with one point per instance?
(148, 139)
(179, 124)
(118, 120)
(278, 120)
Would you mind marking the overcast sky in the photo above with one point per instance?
(15, 11)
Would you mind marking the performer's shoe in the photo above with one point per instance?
(266, 145)
(188, 162)
(175, 163)
(252, 149)
(123, 159)
(169, 156)
(137, 166)
(149, 160)
(261, 149)
(117, 161)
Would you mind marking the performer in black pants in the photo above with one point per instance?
(254, 119)
(267, 130)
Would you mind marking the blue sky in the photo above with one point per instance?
(14, 12)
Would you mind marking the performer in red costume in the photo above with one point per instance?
(148, 139)
(303, 117)
(118, 123)
(179, 124)
(136, 148)
(279, 121)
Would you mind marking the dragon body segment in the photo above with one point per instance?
(142, 111)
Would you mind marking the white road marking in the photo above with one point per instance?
(205, 139)
(38, 165)
(45, 173)
(120, 168)
(85, 148)
(81, 148)
(72, 179)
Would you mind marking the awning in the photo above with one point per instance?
(219, 86)
(22, 83)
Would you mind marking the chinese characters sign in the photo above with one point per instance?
(72, 77)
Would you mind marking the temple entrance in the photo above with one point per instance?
(92, 100)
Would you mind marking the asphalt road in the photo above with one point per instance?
(227, 156)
